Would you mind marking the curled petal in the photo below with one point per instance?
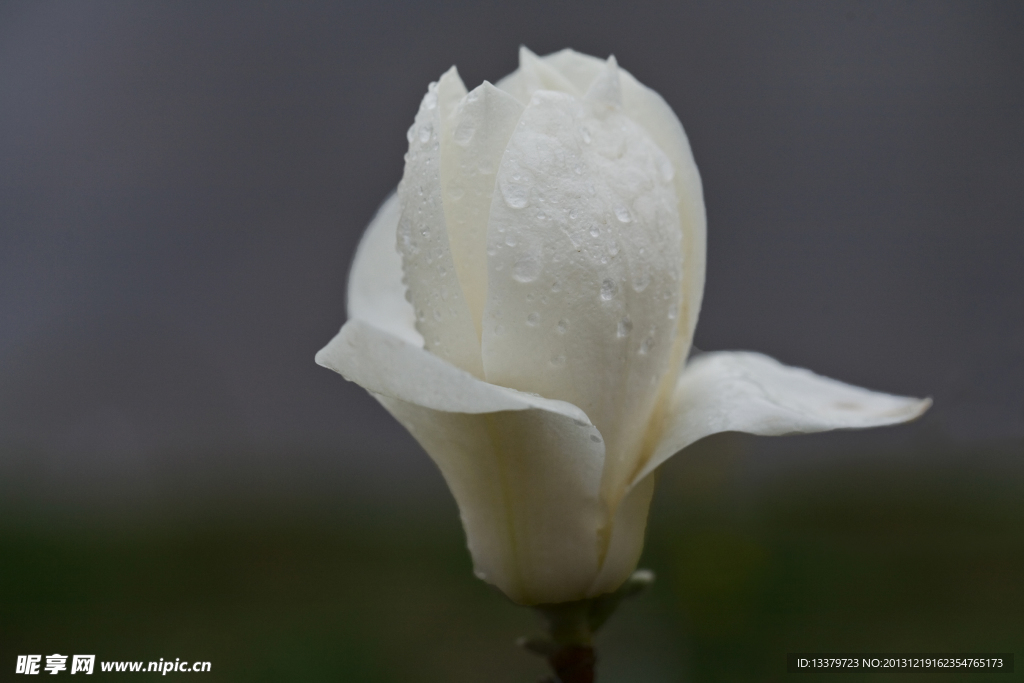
(741, 391)
(650, 110)
(474, 138)
(527, 485)
(385, 364)
(442, 313)
(525, 470)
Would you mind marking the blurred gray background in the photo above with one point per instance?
(182, 186)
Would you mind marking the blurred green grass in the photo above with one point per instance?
(913, 552)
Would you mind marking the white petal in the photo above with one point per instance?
(650, 110)
(605, 90)
(474, 139)
(386, 364)
(583, 270)
(376, 293)
(627, 538)
(749, 392)
(578, 68)
(647, 108)
(442, 314)
(525, 470)
(535, 74)
(527, 485)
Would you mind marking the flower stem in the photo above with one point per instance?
(568, 647)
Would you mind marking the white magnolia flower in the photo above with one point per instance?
(531, 330)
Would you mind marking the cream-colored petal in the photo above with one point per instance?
(741, 391)
(473, 141)
(650, 110)
(442, 314)
(450, 91)
(583, 270)
(578, 68)
(376, 293)
(527, 485)
(388, 365)
(525, 470)
(605, 90)
(626, 540)
(535, 74)
(647, 108)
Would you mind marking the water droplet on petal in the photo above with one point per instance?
(516, 195)
(511, 239)
(625, 327)
(563, 326)
(613, 249)
(640, 282)
(585, 134)
(425, 132)
(594, 231)
(526, 269)
(608, 289)
(622, 213)
(533, 319)
(556, 286)
(430, 100)
(572, 214)
(646, 345)
(595, 438)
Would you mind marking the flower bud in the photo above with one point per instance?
(532, 329)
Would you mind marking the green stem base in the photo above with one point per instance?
(571, 625)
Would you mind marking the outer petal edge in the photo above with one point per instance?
(387, 365)
(749, 392)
